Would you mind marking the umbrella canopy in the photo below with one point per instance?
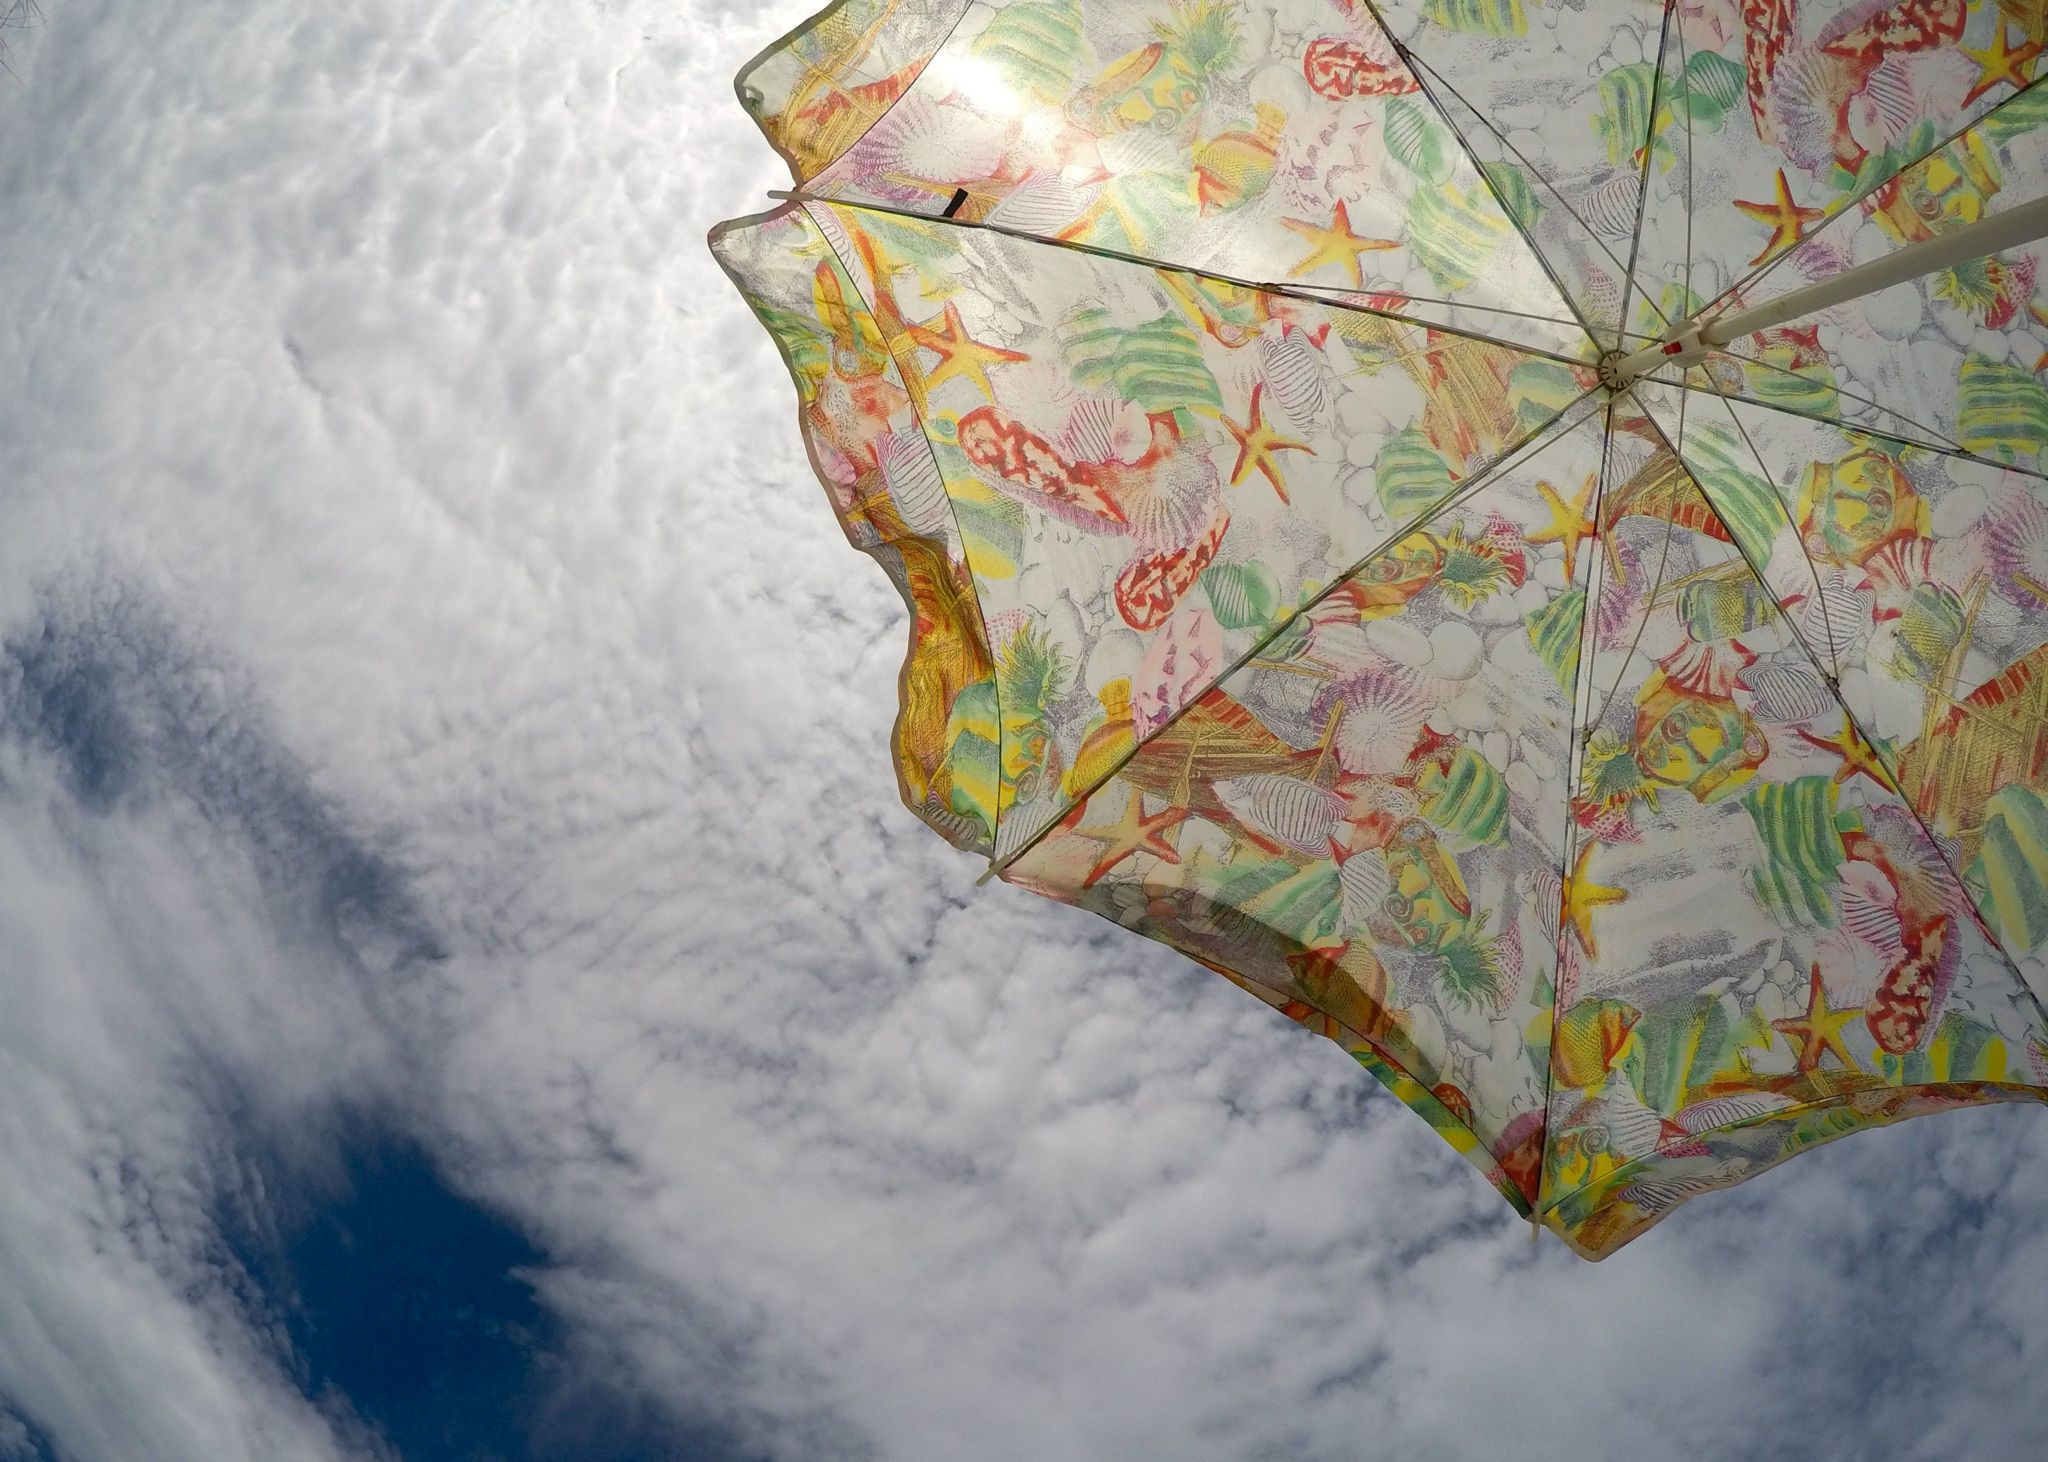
(1516, 532)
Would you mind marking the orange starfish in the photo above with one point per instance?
(1582, 896)
(1569, 523)
(1134, 833)
(1819, 1030)
(1858, 755)
(1256, 444)
(1336, 244)
(959, 355)
(2000, 65)
(1786, 219)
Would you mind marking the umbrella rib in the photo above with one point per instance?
(816, 22)
(1656, 584)
(1820, 593)
(1285, 291)
(1938, 441)
(1582, 674)
(2016, 1089)
(1418, 66)
(924, 432)
(1635, 248)
(1541, 439)
(1757, 275)
(1431, 299)
(1953, 449)
(1856, 725)
(1685, 69)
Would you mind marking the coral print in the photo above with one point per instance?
(1340, 545)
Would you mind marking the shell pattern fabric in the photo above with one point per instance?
(1643, 786)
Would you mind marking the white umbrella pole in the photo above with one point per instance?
(1691, 341)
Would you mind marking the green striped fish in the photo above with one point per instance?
(2010, 874)
(1037, 45)
(1480, 17)
(1469, 797)
(2002, 411)
(1554, 631)
(1751, 506)
(1802, 848)
(1409, 474)
(1452, 235)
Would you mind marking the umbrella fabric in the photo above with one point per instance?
(1644, 784)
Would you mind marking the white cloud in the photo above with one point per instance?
(379, 422)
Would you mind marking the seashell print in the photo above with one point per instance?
(1804, 94)
(1884, 111)
(1787, 692)
(1618, 1123)
(1867, 915)
(1382, 713)
(1043, 204)
(1365, 880)
(919, 140)
(1282, 808)
(1546, 895)
(1657, 1196)
(1141, 150)
(914, 481)
(1705, 1116)
(1297, 376)
(2017, 539)
(1103, 429)
(1168, 503)
(1620, 604)
(1609, 206)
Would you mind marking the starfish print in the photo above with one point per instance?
(958, 354)
(1318, 964)
(1134, 833)
(1857, 755)
(1256, 444)
(1582, 896)
(1787, 220)
(1819, 1030)
(1803, 345)
(2000, 65)
(1568, 523)
(1336, 244)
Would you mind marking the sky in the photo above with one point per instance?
(468, 988)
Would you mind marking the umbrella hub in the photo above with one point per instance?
(1682, 346)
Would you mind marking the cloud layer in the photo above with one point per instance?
(434, 692)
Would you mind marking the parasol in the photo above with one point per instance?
(1516, 532)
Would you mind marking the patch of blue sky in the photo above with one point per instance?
(410, 1312)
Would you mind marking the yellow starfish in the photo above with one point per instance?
(1857, 755)
(1569, 523)
(1787, 220)
(2000, 65)
(1256, 444)
(1582, 896)
(1134, 833)
(958, 354)
(1819, 1031)
(1336, 244)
